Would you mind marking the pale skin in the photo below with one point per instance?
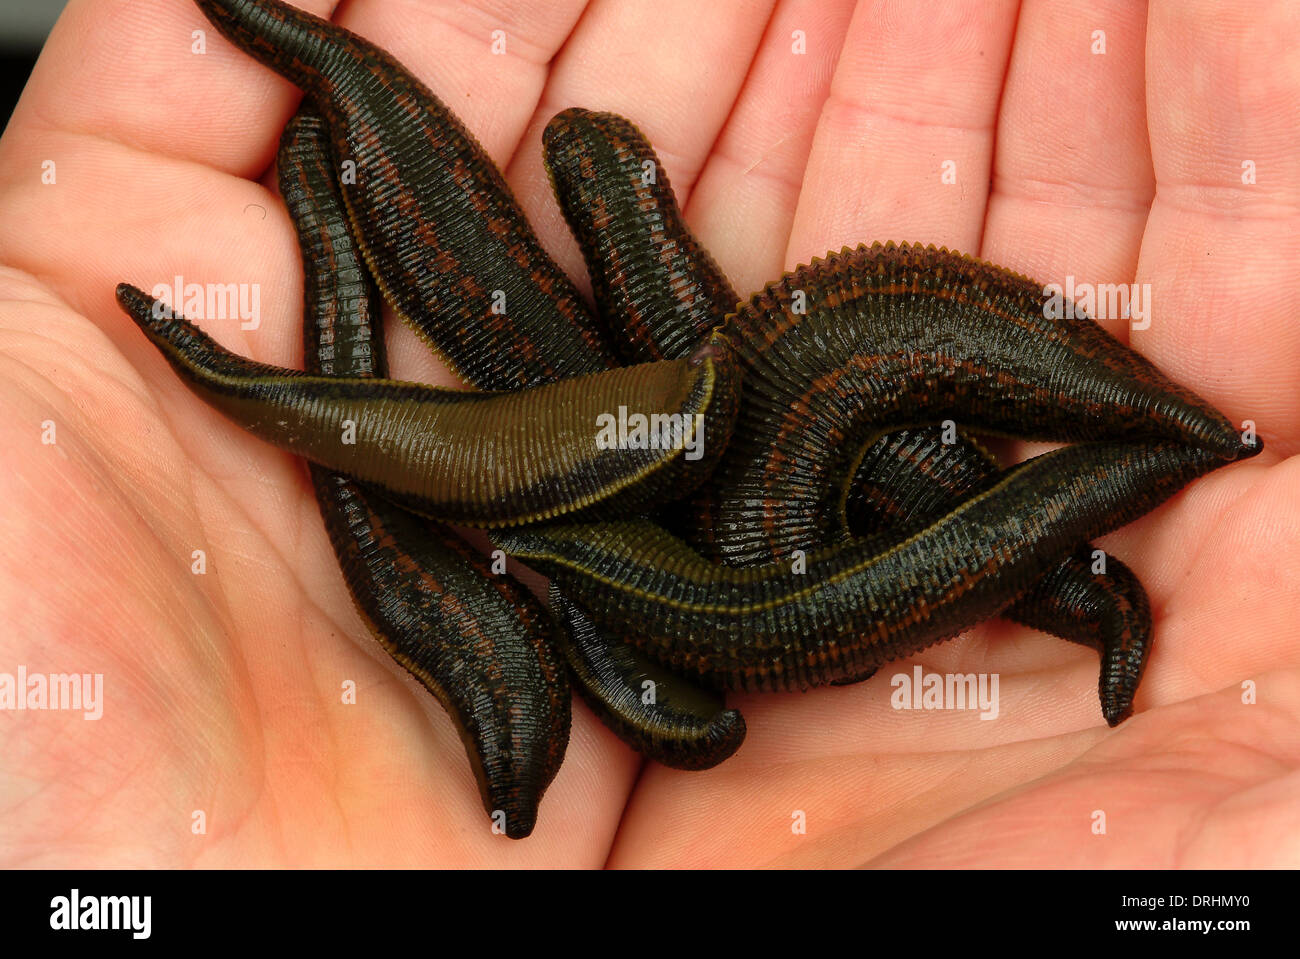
(224, 690)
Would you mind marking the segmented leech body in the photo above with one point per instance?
(835, 356)
(481, 643)
(859, 604)
(867, 340)
(1106, 610)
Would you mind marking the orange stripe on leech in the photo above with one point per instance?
(862, 363)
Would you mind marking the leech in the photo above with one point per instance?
(436, 221)
(476, 459)
(481, 643)
(868, 340)
(865, 602)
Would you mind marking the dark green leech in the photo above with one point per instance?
(436, 220)
(872, 339)
(661, 715)
(469, 240)
(1108, 611)
(650, 272)
(481, 643)
(866, 602)
(477, 459)
(653, 282)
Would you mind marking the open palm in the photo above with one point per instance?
(157, 544)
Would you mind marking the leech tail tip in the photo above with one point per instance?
(1118, 687)
(1253, 448)
(1232, 443)
(129, 296)
(138, 305)
(1116, 712)
(519, 812)
(520, 821)
(561, 122)
(730, 731)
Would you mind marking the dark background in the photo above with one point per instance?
(24, 24)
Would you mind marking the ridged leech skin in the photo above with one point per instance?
(651, 274)
(443, 234)
(1107, 611)
(863, 603)
(688, 728)
(481, 643)
(654, 284)
(665, 717)
(876, 338)
(436, 221)
(476, 459)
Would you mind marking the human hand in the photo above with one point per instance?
(223, 691)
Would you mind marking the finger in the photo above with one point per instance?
(744, 201)
(1223, 241)
(489, 65)
(905, 141)
(1072, 179)
(155, 76)
(672, 68)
